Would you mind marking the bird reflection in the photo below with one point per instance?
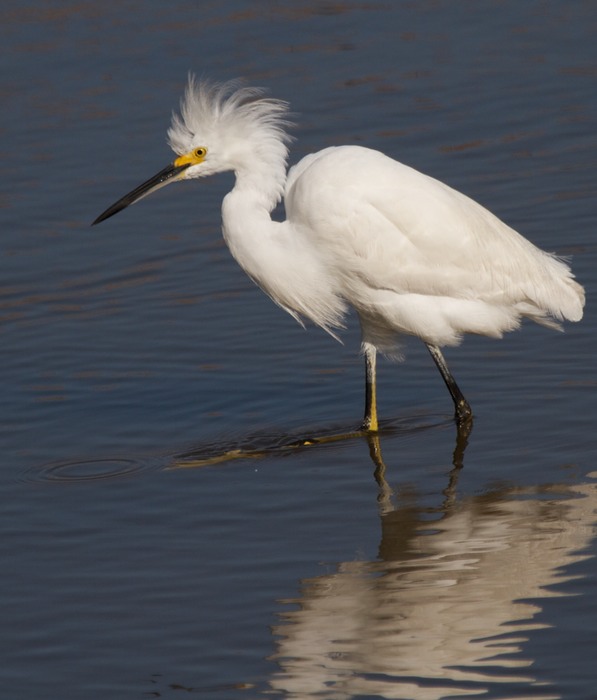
(446, 609)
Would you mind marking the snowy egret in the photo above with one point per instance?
(411, 255)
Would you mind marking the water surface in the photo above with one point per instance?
(137, 562)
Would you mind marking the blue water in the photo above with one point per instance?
(137, 561)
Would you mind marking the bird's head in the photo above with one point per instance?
(219, 128)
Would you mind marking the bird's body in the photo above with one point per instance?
(411, 255)
(415, 257)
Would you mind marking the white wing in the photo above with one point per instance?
(400, 241)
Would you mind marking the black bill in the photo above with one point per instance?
(162, 178)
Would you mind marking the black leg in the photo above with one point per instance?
(463, 411)
(370, 424)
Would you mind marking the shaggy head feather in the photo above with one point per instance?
(227, 117)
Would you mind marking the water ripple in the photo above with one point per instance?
(85, 470)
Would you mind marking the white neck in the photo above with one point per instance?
(248, 229)
(278, 257)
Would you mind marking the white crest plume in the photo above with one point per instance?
(226, 111)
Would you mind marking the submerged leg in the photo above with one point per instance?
(463, 410)
(370, 423)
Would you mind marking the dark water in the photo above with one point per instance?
(136, 563)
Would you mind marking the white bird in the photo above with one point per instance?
(411, 255)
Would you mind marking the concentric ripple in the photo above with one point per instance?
(90, 470)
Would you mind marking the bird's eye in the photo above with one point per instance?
(200, 152)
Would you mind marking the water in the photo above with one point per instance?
(136, 562)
